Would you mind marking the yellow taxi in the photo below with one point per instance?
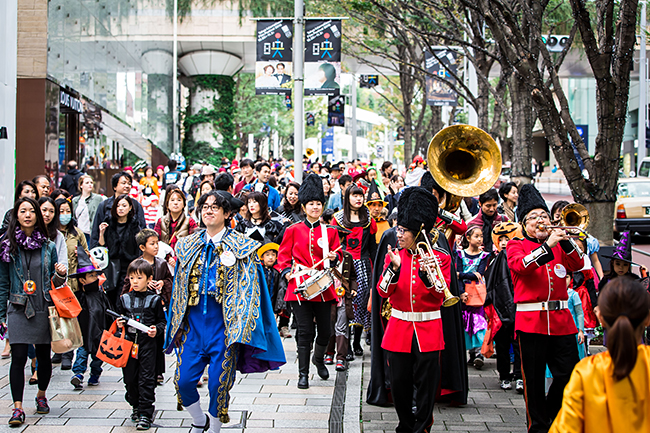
(633, 205)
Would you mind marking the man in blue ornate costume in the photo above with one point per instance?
(220, 314)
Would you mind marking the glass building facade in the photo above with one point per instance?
(111, 80)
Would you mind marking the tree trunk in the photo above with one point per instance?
(600, 220)
(522, 130)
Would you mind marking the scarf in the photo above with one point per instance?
(487, 231)
(33, 242)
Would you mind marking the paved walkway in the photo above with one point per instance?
(262, 402)
(259, 402)
(489, 408)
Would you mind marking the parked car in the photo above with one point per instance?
(633, 205)
(504, 177)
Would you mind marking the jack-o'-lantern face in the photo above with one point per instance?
(111, 352)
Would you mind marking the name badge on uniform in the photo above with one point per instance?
(227, 258)
(560, 271)
(321, 243)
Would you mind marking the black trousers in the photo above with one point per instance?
(560, 352)
(305, 313)
(419, 370)
(140, 377)
(502, 341)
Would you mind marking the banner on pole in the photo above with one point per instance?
(322, 57)
(327, 143)
(274, 67)
(336, 111)
(438, 91)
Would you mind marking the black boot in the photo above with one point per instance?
(317, 359)
(356, 344)
(303, 367)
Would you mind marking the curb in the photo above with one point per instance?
(347, 389)
(353, 396)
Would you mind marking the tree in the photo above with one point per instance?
(608, 43)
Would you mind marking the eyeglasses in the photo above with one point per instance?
(400, 230)
(214, 208)
(543, 216)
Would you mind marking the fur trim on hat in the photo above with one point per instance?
(311, 189)
(529, 199)
(417, 206)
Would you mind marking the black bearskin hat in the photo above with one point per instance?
(417, 206)
(529, 199)
(311, 189)
(429, 183)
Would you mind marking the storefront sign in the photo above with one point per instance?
(67, 100)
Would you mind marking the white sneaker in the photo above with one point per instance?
(519, 386)
(505, 384)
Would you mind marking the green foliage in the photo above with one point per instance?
(129, 158)
(255, 8)
(221, 115)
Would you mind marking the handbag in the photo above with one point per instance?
(65, 332)
(112, 273)
(65, 301)
(476, 292)
(113, 349)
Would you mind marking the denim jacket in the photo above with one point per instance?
(12, 279)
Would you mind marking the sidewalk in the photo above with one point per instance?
(259, 402)
(489, 408)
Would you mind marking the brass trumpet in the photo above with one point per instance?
(574, 218)
(429, 262)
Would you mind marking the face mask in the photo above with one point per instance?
(65, 219)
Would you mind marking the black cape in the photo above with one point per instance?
(500, 291)
(93, 318)
(453, 360)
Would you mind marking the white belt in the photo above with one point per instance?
(543, 306)
(418, 316)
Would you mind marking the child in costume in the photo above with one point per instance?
(145, 306)
(92, 319)
(471, 263)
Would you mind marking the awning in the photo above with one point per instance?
(114, 129)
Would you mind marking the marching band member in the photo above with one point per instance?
(539, 264)
(413, 338)
(309, 245)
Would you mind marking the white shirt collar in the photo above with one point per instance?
(216, 239)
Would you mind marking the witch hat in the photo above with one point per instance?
(85, 265)
(623, 250)
(374, 196)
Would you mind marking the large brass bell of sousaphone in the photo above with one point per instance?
(464, 160)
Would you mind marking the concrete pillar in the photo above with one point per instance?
(158, 66)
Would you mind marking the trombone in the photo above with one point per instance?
(429, 262)
(574, 219)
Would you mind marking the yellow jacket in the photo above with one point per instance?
(595, 402)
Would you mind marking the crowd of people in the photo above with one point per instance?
(218, 264)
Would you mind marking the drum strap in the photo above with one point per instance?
(326, 246)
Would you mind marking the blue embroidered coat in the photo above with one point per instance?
(246, 305)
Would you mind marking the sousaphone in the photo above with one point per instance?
(465, 161)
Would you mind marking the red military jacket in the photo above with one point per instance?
(408, 292)
(539, 275)
(300, 245)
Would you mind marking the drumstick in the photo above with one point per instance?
(325, 258)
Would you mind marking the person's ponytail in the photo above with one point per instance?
(624, 306)
(621, 343)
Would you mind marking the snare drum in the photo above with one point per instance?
(315, 284)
